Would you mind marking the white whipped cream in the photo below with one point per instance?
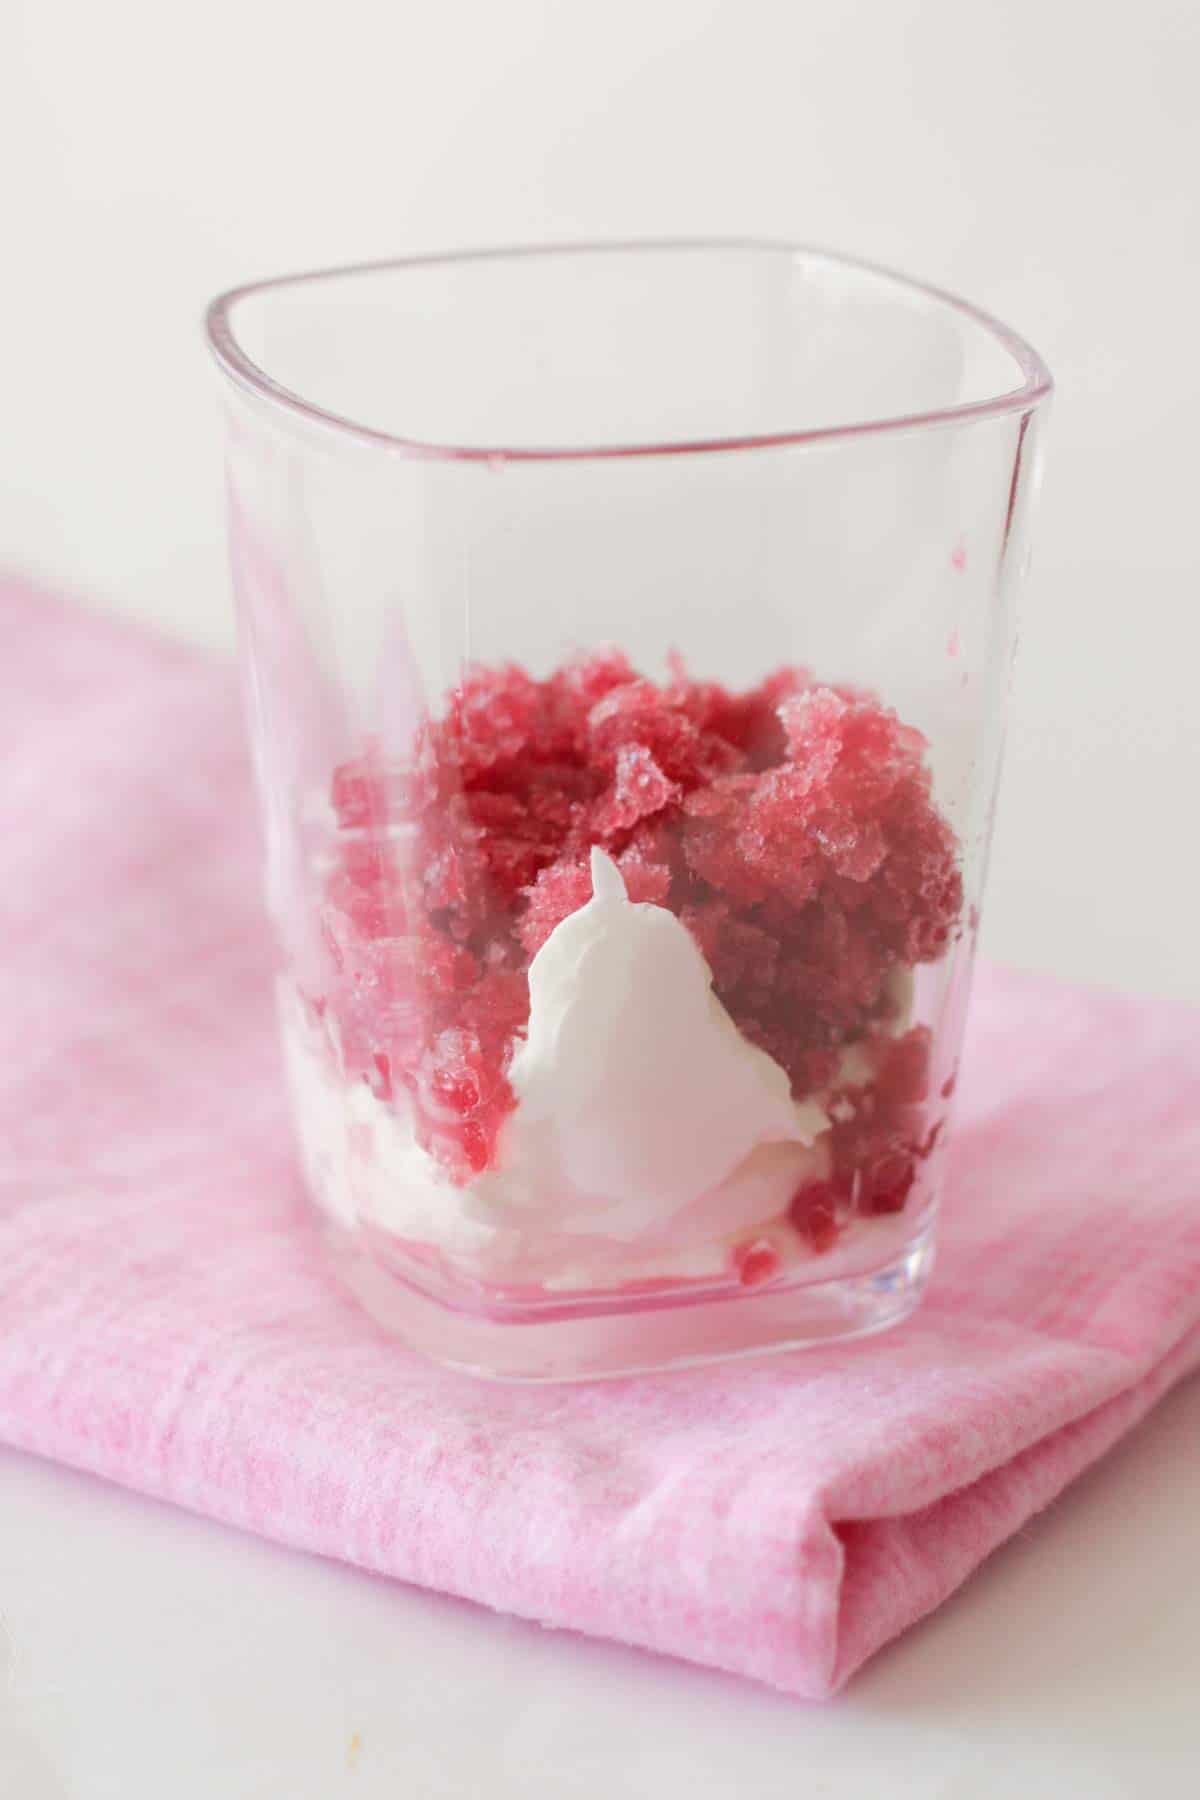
(637, 1094)
(648, 1134)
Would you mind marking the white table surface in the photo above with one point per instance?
(148, 1652)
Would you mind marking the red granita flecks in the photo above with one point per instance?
(814, 1213)
(638, 790)
(756, 1262)
(790, 825)
(567, 885)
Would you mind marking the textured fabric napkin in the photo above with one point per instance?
(165, 1317)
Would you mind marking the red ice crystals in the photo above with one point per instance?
(790, 826)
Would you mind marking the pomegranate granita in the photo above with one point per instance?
(619, 976)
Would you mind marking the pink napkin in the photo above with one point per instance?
(165, 1317)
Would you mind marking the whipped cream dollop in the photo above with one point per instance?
(637, 1094)
(648, 1134)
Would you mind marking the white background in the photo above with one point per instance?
(1040, 156)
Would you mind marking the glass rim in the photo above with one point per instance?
(1037, 383)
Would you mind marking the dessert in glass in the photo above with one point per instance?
(627, 633)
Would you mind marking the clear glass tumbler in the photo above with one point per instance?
(627, 633)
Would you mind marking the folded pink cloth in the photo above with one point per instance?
(166, 1319)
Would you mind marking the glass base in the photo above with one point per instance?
(638, 1333)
